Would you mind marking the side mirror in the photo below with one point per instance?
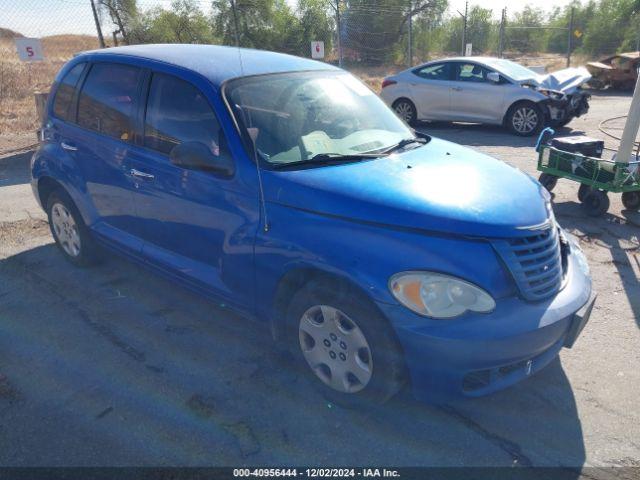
(197, 156)
(493, 77)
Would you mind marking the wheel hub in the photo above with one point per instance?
(65, 229)
(525, 120)
(335, 349)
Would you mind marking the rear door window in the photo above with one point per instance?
(178, 112)
(65, 92)
(107, 100)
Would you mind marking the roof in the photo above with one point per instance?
(217, 63)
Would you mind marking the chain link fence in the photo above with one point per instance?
(371, 38)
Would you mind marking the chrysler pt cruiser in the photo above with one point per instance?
(288, 190)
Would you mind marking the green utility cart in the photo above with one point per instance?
(597, 176)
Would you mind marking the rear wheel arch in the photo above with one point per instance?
(403, 99)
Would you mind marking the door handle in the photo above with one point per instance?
(138, 174)
(69, 147)
(457, 89)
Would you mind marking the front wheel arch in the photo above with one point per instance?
(294, 280)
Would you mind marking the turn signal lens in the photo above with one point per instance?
(439, 296)
(387, 82)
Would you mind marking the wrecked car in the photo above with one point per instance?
(618, 71)
(487, 90)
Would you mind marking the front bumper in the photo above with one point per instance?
(570, 106)
(478, 354)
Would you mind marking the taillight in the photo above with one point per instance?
(386, 82)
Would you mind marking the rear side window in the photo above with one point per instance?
(65, 92)
(439, 71)
(107, 100)
(178, 112)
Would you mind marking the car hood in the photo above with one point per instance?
(566, 81)
(440, 187)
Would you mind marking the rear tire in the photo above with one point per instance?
(525, 119)
(631, 200)
(69, 231)
(356, 363)
(548, 181)
(596, 203)
(406, 110)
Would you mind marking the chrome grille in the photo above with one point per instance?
(535, 262)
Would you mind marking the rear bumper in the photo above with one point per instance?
(479, 354)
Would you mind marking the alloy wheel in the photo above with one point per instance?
(404, 111)
(335, 348)
(66, 229)
(525, 120)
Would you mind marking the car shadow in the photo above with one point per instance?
(14, 169)
(115, 365)
(619, 238)
(474, 134)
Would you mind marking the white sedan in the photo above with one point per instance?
(487, 90)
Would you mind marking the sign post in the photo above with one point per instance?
(317, 50)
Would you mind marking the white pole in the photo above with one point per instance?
(631, 127)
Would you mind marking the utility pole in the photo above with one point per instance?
(339, 32)
(98, 28)
(410, 39)
(570, 38)
(235, 22)
(464, 26)
(503, 21)
(631, 127)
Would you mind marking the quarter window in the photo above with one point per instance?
(178, 112)
(107, 100)
(65, 92)
(439, 71)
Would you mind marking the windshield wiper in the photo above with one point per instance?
(329, 158)
(404, 143)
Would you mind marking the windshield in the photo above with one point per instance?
(511, 69)
(295, 117)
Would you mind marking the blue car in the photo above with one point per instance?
(286, 189)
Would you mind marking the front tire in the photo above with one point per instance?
(525, 119)
(69, 231)
(343, 345)
(406, 110)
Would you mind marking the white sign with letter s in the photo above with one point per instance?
(317, 49)
(29, 49)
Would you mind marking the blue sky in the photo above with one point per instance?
(48, 17)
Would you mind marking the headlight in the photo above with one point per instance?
(439, 296)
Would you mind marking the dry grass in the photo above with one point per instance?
(18, 80)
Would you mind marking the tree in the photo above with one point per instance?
(371, 29)
(530, 36)
(263, 24)
(123, 14)
(315, 23)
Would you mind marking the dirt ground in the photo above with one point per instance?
(116, 366)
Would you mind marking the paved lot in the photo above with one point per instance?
(116, 366)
